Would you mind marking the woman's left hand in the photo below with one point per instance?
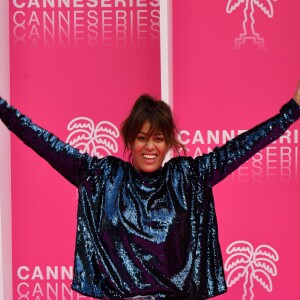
(297, 94)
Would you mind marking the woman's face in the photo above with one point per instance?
(148, 152)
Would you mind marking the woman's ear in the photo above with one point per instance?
(128, 146)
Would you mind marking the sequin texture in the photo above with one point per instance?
(148, 234)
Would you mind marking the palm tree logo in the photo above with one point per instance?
(249, 34)
(253, 265)
(97, 140)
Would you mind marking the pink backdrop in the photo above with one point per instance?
(229, 75)
(91, 59)
(69, 62)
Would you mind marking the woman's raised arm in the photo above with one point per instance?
(223, 160)
(67, 160)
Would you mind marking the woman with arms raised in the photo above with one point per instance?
(148, 230)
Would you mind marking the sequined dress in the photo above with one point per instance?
(147, 234)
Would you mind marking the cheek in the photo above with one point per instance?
(164, 149)
(135, 149)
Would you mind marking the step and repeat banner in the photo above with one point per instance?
(76, 69)
(236, 62)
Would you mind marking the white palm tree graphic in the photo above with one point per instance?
(252, 265)
(249, 33)
(98, 141)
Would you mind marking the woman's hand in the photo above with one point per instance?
(297, 94)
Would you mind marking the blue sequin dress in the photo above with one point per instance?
(147, 234)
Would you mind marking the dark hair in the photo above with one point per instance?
(158, 114)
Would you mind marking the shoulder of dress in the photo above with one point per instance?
(107, 165)
(113, 161)
(180, 162)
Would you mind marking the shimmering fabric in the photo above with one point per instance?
(148, 234)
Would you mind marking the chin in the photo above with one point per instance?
(149, 170)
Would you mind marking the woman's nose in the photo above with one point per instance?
(150, 144)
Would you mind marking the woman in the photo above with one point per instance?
(147, 231)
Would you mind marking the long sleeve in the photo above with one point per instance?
(67, 160)
(223, 160)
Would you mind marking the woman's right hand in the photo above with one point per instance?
(297, 94)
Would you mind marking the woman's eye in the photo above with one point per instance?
(141, 138)
(159, 139)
